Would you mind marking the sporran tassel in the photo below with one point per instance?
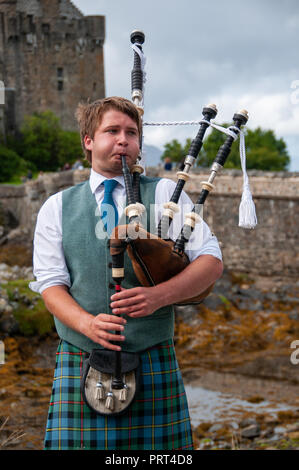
(109, 401)
(123, 394)
(100, 392)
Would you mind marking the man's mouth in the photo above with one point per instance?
(120, 155)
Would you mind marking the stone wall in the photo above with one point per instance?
(270, 249)
(51, 56)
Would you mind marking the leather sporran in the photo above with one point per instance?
(97, 379)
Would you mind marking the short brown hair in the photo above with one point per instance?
(89, 116)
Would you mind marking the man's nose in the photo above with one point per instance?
(122, 138)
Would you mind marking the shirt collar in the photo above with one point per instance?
(96, 179)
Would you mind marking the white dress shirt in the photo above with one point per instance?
(49, 266)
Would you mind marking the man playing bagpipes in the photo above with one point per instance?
(73, 270)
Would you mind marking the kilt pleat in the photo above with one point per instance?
(158, 419)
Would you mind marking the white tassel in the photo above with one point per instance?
(247, 214)
(123, 393)
(109, 401)
(100, 392)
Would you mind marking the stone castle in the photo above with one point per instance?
(51, 57)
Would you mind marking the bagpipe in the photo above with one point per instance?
(118, 369)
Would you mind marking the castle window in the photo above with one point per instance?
(60, 78)
(45, 28)
(12, 23)
(31, 24)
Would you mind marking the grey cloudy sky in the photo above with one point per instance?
(231, 53)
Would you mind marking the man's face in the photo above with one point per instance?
(116, 135)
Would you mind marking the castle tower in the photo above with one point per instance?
(51, 57)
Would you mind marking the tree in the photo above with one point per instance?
(45, 144)
(263, 150)
(69, 147)
(11, 164)
(175, 150)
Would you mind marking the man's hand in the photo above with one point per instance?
(58, 301)
(99, 326)
(136, 302)
(194, 279)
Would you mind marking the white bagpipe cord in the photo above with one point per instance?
(247, 213)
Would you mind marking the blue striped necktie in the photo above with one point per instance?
(109, 212)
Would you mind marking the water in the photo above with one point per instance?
(211, 406)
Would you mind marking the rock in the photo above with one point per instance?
(280, 430)
(293, 315)
(251, 431)
(234, 425)
(188, 313)
(293, 435)
(216, 427)
(255, 399)
(3, 304)
(292, 427)
(8, 309)
(15, 269)
(248, 422)
(8, 324)
(267, 433)
(18, 235)
(213, 301)
(27, 273)
(32, 393)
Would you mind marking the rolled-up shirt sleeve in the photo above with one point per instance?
(49, 266)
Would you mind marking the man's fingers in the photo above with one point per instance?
(104, 317)
(110, 337)
(107, 345)
(127, 302)
(129, 310)
(137, 314)
(111, 326)
(126, 293)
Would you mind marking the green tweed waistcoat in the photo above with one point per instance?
(88, 259)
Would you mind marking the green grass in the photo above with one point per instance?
(33, 319)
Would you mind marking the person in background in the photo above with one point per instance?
(167, 164)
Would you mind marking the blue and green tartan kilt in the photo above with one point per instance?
(158, 419)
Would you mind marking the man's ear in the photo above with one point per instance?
(88, 142)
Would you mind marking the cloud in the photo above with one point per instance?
(235, 54)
